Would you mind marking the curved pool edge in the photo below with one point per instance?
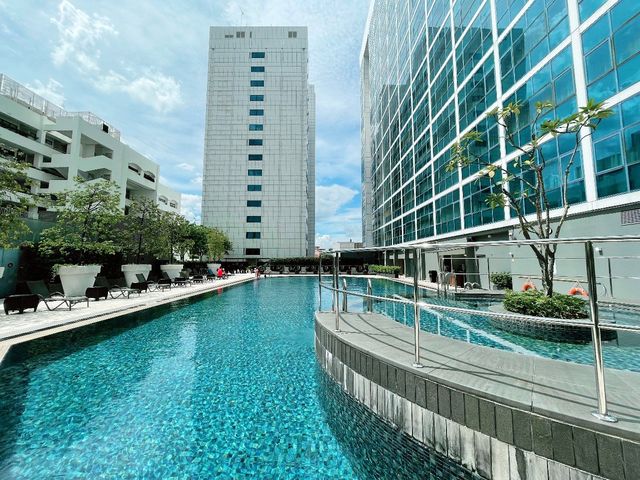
(467, 421)
(86, 320)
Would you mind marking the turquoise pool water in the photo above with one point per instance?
(622, 353)
(221, 387)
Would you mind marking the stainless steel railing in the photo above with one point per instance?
(593, 323)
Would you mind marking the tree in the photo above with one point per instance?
(520, 185)
(174, 231)
(218, 244)
(199, 236)
(86, 221)
(15, 197)
(140, 230)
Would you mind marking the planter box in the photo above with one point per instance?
(132, 269)
(213, 266)
(388, 275)
(77, 278)
(172, 269)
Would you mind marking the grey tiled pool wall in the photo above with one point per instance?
(496, 441)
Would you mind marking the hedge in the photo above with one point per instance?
(384, 269)
(501, 280)
(537, 304)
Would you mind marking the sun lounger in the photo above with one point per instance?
(56, 298)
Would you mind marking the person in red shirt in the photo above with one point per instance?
(220, 272)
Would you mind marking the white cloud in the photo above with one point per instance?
(325, 241)
(191, 206)
(152, 88)
(79, 38)
(330, 199)
(52, 91)
(187, 167)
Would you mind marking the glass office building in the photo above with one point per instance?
(431, 70)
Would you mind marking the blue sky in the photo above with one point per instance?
(141, 66)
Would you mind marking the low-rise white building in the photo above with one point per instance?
(61, 145)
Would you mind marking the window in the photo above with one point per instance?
(253, 235)
(254, 203)
(239, 34)
(255, 141)
(254, 188)
(256, 127)
(252, 251)
(257, 83)
(256, 112)
(255, 157)
(254, 219)
(256, 98)
(257, 54)
(255, 172)
(255, 69)
(293, 34)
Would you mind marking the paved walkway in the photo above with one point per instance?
(560, 390)
(15, 326)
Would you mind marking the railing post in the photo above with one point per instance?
(416, 309)
(602, 413)
(320, 284)
(369, 292)
(344, 295)
(336, 286)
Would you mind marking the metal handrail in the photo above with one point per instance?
(490, 314)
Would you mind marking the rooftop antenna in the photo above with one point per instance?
(241, 16)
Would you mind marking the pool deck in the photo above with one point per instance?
(17, 328)
(555, 389)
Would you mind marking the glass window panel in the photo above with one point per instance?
(608, 153)
(612, 183)
(598, 62)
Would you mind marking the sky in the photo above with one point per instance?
(141, 65)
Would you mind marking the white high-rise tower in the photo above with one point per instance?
(259, 157)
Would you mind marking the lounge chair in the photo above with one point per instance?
(211, 274)
(115, 290)
(174, 281)
(40, 289)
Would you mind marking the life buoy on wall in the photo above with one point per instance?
(578, 291)
(529, 285)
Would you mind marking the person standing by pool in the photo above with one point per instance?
(220, 273)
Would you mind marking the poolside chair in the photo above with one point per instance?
(211, 274)
(173, 281)
(115, 290)
(40, 289)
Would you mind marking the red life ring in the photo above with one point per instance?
(578, 291)
(528, 286)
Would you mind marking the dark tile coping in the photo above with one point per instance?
(535, 404)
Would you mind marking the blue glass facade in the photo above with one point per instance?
(433, 69)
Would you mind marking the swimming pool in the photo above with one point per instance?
(225, 386)
(622, 353)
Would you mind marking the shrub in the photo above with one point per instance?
(537, 304)
(384, 269)
(501, 280)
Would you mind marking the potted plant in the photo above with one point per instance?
(84, 231)
(217, 245)
(174, 238)
(139, 238)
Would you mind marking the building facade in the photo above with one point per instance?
(431, 73)
(62, 145)
(259, 158)
(432, 70)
